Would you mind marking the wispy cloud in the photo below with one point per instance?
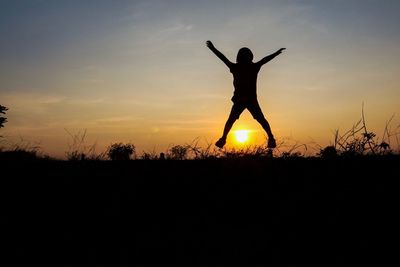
(176, 28)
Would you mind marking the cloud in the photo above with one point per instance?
(176, 28)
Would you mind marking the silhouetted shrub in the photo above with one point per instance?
(23, 150)
(18, 155)
(178, 152)
(359, 141)
(149, 155)
(328, 152)
(120, 151)
(3, 120)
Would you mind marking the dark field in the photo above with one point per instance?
(242, 212)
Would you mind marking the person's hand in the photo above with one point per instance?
(280, 50)
(210, 44)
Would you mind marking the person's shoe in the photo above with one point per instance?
(271, 143)
(221, 142)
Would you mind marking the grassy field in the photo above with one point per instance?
(226, 212)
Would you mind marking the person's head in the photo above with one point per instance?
(244, 55)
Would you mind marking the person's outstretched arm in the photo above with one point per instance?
(268, 58)
(219, 54)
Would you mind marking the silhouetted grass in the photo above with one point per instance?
(193, 205)
(201, 206)
(356, 141)
(21, 150)
(80, 150)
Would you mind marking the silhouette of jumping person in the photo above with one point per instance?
(244, 73)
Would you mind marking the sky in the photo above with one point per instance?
(140, 72)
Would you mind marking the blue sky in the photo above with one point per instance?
(139, 71)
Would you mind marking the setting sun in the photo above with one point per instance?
(241, 136)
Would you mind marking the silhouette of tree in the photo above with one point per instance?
(120, 151)
(3, 120)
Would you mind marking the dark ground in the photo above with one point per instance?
(249, 212)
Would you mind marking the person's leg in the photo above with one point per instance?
(236, 110)
(257, 114)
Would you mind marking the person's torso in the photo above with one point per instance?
(245, 80)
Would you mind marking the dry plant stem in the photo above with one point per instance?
(365, 130)
(341, 140)
(397, 135)
(387, 130)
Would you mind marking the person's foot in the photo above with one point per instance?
(221, 142)
(271, 143)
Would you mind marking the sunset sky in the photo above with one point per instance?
(139, 71)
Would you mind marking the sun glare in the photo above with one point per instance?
(241, 136)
